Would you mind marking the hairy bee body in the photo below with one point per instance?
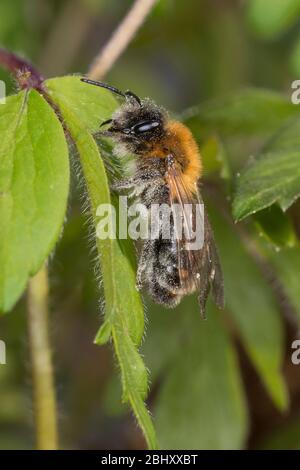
(157, 267)
(167, 172)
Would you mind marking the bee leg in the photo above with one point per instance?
(144, 257)
(140, 276)
(125, 183)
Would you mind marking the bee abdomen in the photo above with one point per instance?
(162, 278)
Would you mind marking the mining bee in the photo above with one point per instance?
(168, 168)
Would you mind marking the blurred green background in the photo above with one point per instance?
(223, 383)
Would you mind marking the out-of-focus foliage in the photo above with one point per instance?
(276, 226)
(286, 264)
(285, 438)
(248, 112)
(226, 68)
(34, 185)
(262, 335)
(270, 18)
(202, 347)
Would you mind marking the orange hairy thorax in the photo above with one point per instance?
(179, 142)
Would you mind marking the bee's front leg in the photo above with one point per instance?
(141, 270)
(125, 183)
(140, 276)
(144, 259)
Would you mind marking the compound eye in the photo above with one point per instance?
(145, 126)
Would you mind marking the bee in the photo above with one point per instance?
(168, 169)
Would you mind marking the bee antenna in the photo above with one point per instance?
(129, 94)
(104, 85)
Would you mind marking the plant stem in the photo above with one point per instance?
(42, 372)
(62, 45)
(121, 38)
(23, 71)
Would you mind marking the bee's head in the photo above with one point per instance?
(135, 123)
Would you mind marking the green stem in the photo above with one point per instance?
(44, 399)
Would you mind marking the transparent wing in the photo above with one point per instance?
(197, 268)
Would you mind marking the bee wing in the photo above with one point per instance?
(196, 267)
(188, 261)
(216, 275)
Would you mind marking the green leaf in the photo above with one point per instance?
(287, 267)
(250, 302)
(83, 107)
(270, 18)
(276, 227)
(246, 112)
(214, 158)
(34, 185)
(201, 403)
(104, 333)
(274, 176)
